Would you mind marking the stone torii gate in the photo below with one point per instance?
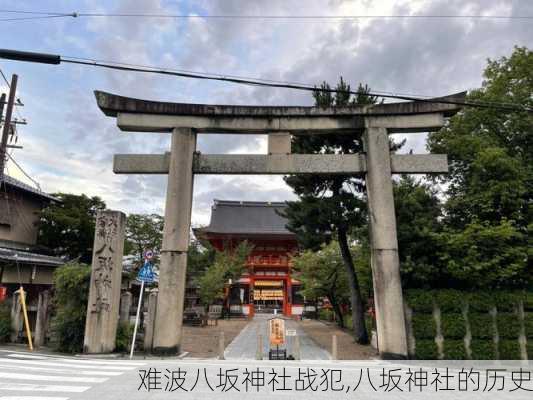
(185, 121)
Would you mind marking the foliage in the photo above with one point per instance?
(417, 219)
(124, 337)
(331, 205)
(322, 275)
(143, 232)
(200, 256)
(67, 227)
(71, 283)
(228, 264)
(481, 323)
(5, 322)
(489, 210)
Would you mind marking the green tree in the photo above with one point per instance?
(143, 232)
(418, 211)
(67, 227)
(71, 295)
(228, 264)
(200, 257)
(331, 205)
(322, 275)
(489, 207)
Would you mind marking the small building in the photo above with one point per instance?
(21, 260)
(267, 284)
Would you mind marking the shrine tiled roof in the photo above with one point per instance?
(247, 217)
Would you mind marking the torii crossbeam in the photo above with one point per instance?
(375, 122)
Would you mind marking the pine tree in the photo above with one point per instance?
(330, 206)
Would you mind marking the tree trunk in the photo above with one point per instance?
(358, 312)
(336, 309)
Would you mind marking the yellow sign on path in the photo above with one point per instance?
(276, 328)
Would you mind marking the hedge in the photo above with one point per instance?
(509, 349)
(508, 326)
(426, 349)
(481, 326)
(453, 325)
(482, 349)
(424, 326)
(454, 350)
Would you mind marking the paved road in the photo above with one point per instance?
(244, 346)
(34, 376)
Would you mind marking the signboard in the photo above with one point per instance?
(276, 327)
(3, 293)
(148, 255)
(146, 273)
(290, 332)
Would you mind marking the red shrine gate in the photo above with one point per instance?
(267, 285)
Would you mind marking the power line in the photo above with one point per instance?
(32, 18)
(318, 18)
(23, 171)
(57, 59)
(285, 85)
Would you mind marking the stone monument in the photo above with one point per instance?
(106, 276)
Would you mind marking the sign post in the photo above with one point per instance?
(277, 338)
(145, 275)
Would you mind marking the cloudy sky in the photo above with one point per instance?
(68, 143)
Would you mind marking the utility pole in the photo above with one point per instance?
(7, 123)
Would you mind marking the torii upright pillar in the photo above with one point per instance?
(173, 265)
(388, 297)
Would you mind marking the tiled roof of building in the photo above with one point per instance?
(10, 181)
(27, 257)
(247, 217)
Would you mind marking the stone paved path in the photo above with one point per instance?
(244, 346)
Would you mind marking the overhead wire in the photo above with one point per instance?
(284, 85)
(24, 172)
(319, 18)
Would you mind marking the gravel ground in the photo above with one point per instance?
(202, 342)
(321, 332)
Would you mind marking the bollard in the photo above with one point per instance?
(297, 347)
(334, 348)
(259, 352)
(221, 346)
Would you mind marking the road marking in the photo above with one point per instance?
(59, 370)
(51, 378)
(61, 364)
(27, 387)
(80, 361)
(32, 398)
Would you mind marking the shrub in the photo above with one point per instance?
(426, 350)
(509, 349)
(423, 326)
(482, 349)
(481, 326)
(454, 350)
(420, 300)
(528, 321)
(453, 326)
(508, 326)
(449, 301)
(5, 322)
(325, 314)
(124, 336)
(71, 295)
